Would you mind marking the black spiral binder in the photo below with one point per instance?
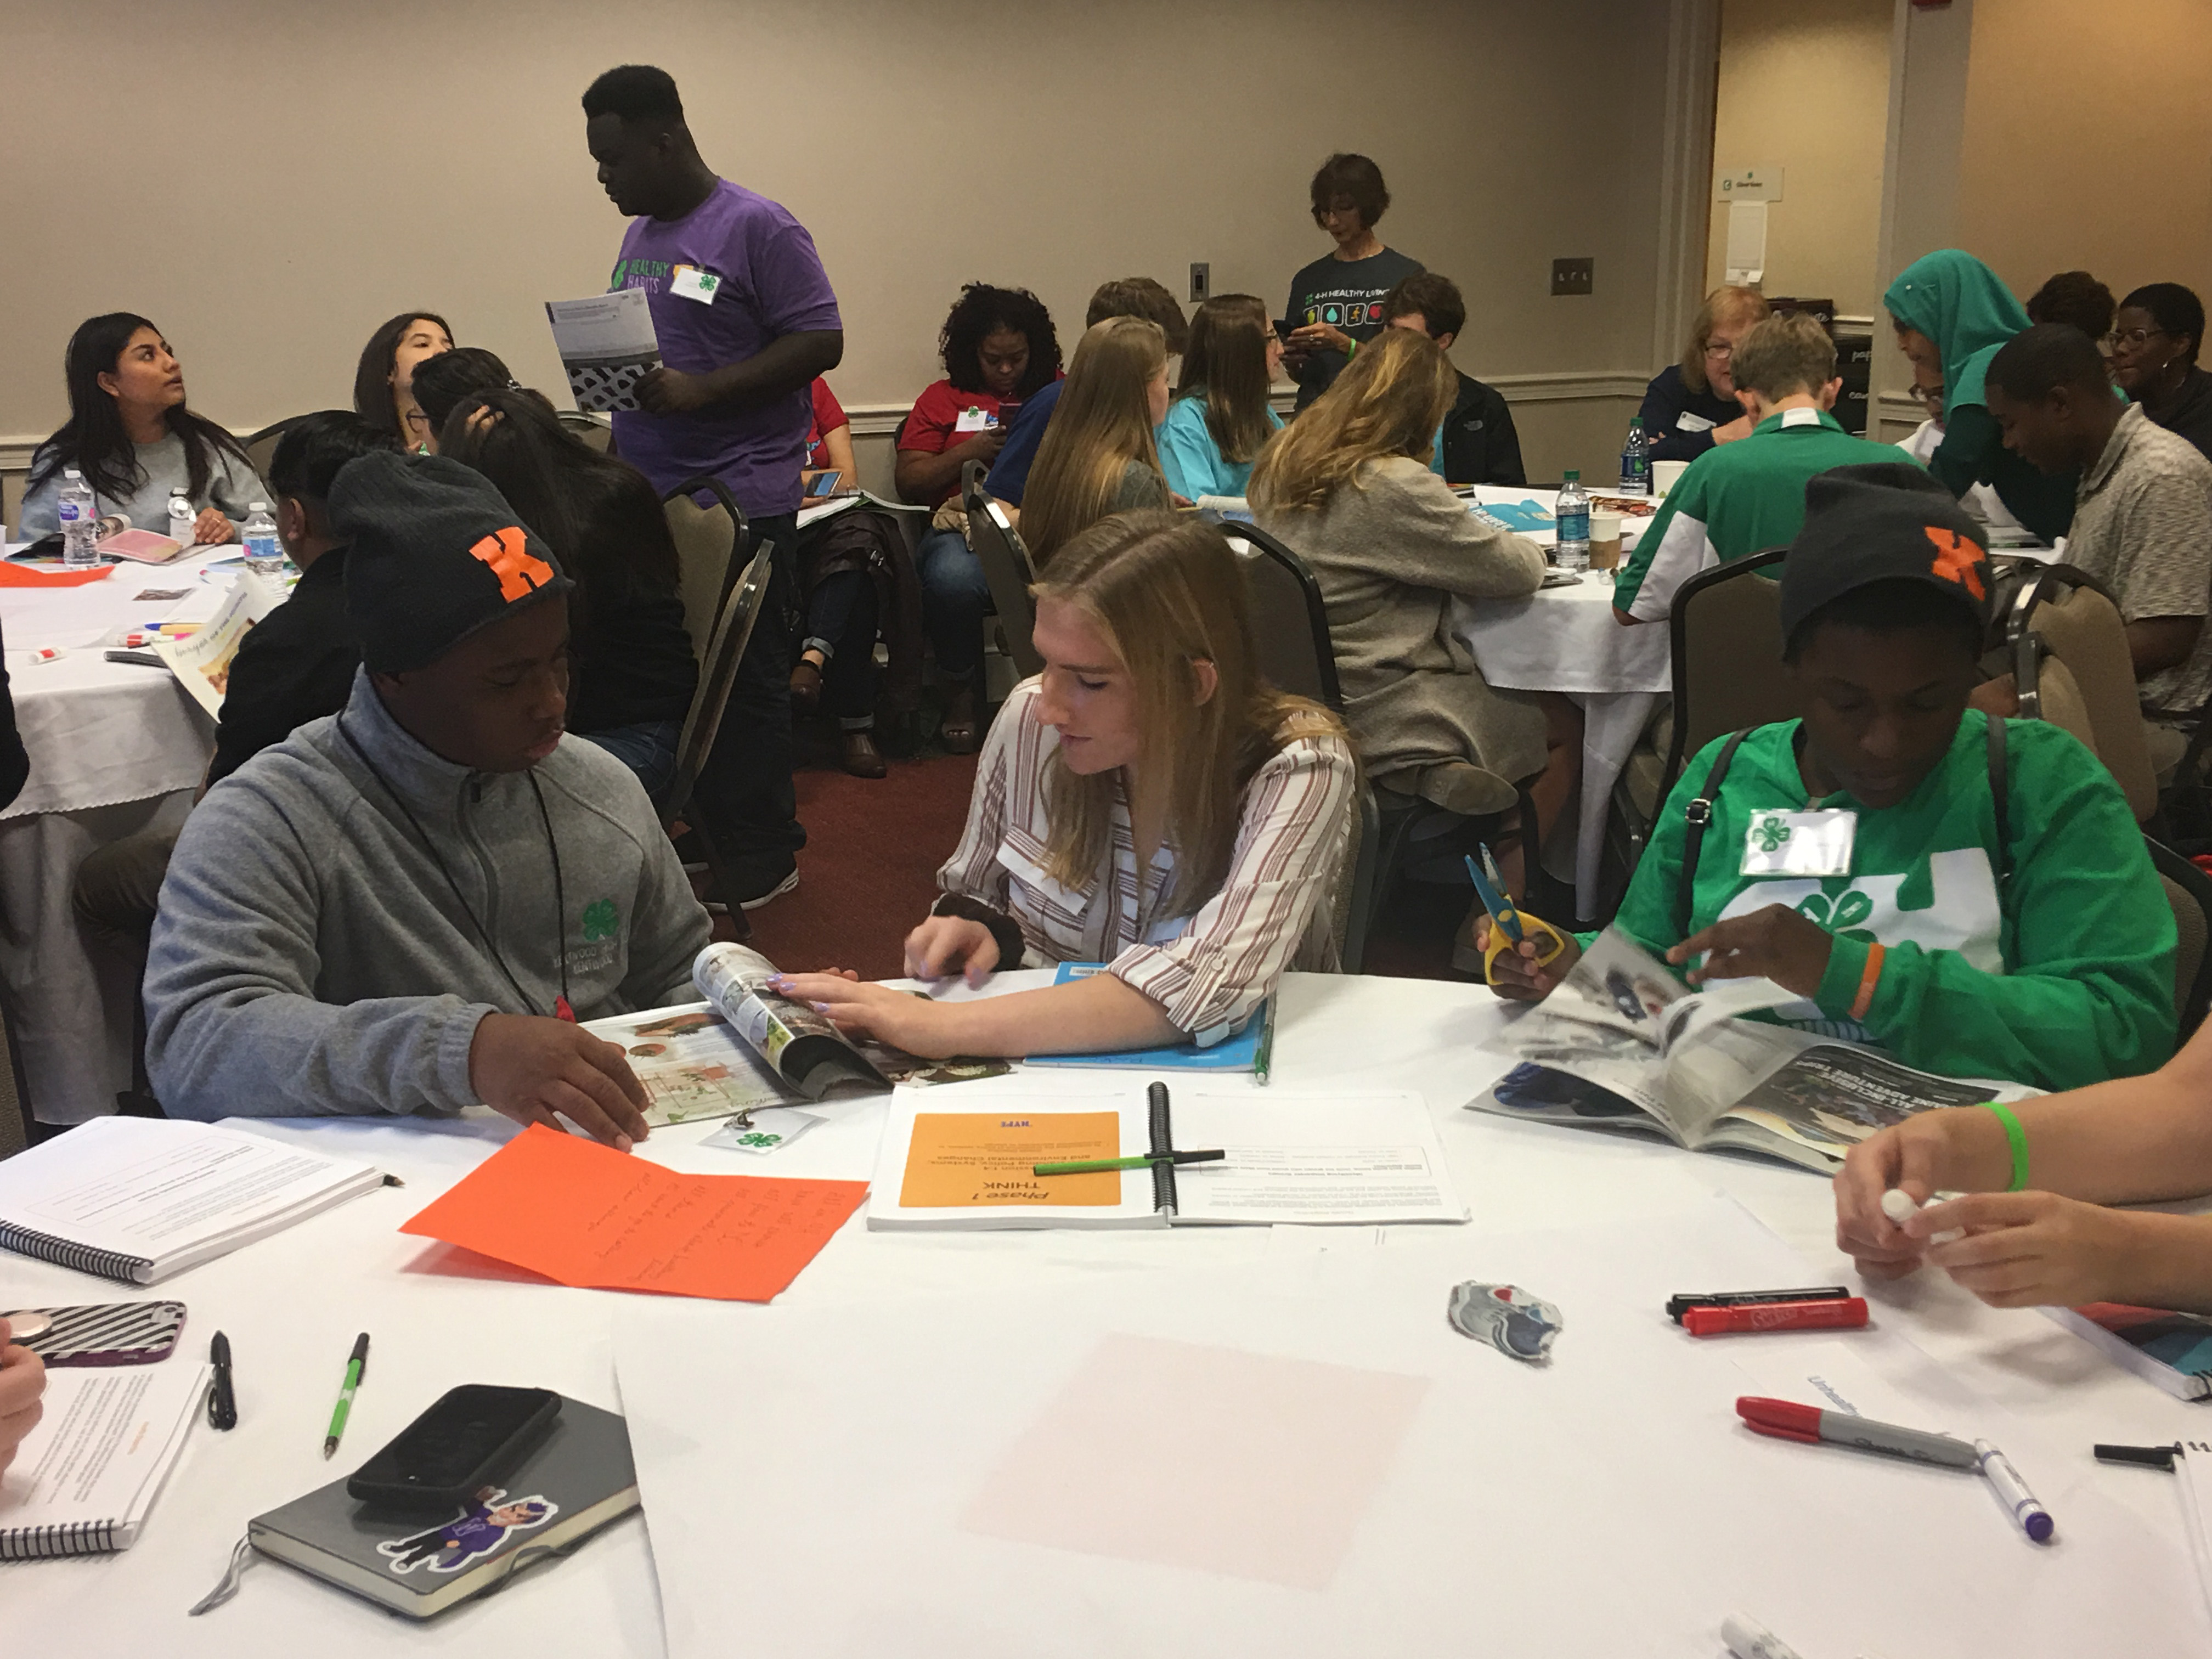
(109, 1264)
(1163, 1175)
(49, 1543)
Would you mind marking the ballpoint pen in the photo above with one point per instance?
(1142, 1161)
(355, 1366)
(222, 1400)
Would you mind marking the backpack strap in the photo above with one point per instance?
(2000, 796)
(1698, 814)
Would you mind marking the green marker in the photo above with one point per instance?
(355, 1367)
(1264, 1061)
(1099, 1165)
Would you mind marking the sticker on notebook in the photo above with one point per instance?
(1780, 842)
(974, 418)
(1518, 1325)
(476, 1532)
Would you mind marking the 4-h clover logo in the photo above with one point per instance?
(599, 920)
(1771, 832)
(1840, 916)
(758, 1138)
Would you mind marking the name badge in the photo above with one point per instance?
(974, 418)
(1686, 421)
(1780, 843)
(690, 283)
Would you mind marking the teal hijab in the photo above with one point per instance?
(1959, 302)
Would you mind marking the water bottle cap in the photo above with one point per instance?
(71, 473)
(1574, 474)
(257, 506)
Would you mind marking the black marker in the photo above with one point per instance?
(2149, 1457)
(223, 1403)
(1676, 1305)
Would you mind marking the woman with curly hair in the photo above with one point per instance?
(998, 347)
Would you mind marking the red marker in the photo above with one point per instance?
(1847, 1313)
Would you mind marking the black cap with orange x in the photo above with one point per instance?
(1879, 522)
(434, 553)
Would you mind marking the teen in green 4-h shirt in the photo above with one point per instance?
(2042, 953)
(1739, 498)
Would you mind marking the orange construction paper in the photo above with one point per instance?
(18, 576)
(962, 1160)
(589, 1216)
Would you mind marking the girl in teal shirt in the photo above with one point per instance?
(1220, 416)
(2030, 942)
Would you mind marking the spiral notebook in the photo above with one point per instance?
(138, 1198)
(84, 1480)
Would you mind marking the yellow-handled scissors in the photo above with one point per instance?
(1509, 925)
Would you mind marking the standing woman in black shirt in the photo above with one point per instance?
(631, 668)
(1336, 302)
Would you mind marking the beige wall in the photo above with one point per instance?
(1805, 86)
(281, 177)
(2088, 142)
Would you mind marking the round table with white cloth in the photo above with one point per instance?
(115, 748)
(1565, 640)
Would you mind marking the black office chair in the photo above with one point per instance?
(1289, 623)
(1008, 568)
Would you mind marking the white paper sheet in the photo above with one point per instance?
(1747, 242)
(607, 345)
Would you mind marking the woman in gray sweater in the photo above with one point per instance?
(131, 436)
(1347, 486)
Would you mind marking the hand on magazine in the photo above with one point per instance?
(530, 1067)
(1775, 943)
(902, 1019)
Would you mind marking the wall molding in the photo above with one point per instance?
(881, 420)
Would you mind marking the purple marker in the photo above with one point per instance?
(2034, 1519)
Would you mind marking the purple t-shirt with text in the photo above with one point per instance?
(772, 283)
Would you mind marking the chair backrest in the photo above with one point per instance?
(2189, 891)
(2048, 690)
(709, 543)
(1359, 884)
(1006, 569)
(733, 632)
(592, 429)
(261, 447)
(1726, 628)
(1289, 623)
(2082, 628)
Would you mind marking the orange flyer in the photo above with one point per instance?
(589, 1216)
(959, 1160)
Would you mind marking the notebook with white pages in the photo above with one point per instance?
(139, 1199)
(82, 1482)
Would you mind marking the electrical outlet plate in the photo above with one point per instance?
(1572, 275)
(1202, 280)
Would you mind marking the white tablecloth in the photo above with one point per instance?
(1564, 639)
(291, 1305)
(114, 747)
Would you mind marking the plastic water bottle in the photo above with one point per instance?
(75, 511)
(263, 552)
(1571, 517)
(1635, 461)
(182, 518)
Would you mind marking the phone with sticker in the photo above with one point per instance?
(100, 1334)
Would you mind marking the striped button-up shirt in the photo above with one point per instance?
(1207, 969)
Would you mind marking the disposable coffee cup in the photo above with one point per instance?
(1605, 540)
(1663, 474)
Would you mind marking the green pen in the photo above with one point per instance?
(1264, 1061)
(1099, 1165)
(355, 1366)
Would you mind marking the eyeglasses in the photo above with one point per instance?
(1719, 351)
(2132, 337)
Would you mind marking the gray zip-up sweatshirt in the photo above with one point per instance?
(310, 959)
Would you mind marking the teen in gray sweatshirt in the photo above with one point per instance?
(395, 909)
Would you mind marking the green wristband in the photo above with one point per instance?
(2018, 1138)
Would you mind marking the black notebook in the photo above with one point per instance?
(416, 1563)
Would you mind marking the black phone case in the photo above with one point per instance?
(384, 1482)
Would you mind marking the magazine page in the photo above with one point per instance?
(607, 346)
(201, 659)
(692, 1065)
(1617, 984)
(1831, 1096)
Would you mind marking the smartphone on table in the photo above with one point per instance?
(473, 1436)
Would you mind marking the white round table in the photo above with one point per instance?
(1565, 640)
(114, 748)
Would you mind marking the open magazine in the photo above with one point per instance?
(201, 659)
(745, 1048)
(1622, 1044)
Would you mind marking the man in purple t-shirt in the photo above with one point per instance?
(746, 321)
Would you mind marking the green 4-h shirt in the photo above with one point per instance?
(1736, 499)
(2062, 977)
